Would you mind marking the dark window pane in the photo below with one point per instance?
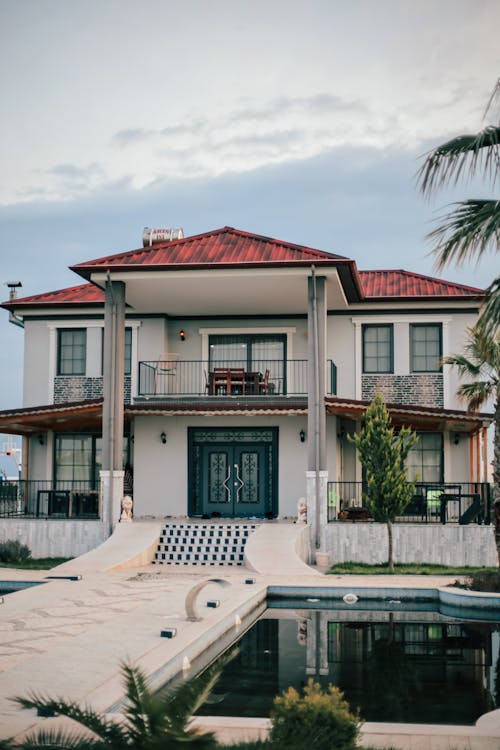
(71, 354)
(377, 349)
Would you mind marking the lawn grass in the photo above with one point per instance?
(36, 563)
(422, 569)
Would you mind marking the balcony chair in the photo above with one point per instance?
(264, 385)
(219, 381)
(166, 373)
(237, 380)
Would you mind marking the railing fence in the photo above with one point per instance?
(438, 502)
(47, 499)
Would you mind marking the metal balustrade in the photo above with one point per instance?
(47, 499)
(196, 378)
(432, 502)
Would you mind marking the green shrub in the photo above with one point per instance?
(319, 719)
(13, 551)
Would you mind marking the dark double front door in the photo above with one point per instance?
(232, 473)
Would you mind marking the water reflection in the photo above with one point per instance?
(396, 666)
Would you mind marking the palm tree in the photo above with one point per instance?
(480, 364)
(473, 226)
(151, 721)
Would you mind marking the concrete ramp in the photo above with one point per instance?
(130, 545)
(279, 549)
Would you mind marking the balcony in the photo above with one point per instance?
(228, 379)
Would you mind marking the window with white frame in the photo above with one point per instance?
(71, 351)
(378, 346)
(425, 347)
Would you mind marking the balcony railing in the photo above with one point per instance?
(438, 502)
(48, 499)
(196, 378)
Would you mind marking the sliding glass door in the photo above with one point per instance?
(255, 353)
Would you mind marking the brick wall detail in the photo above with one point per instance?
(80, 388)
(422, 389)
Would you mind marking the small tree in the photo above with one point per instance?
(383, 453)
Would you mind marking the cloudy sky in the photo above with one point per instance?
(305, 120)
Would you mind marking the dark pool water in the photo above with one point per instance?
(9, 587)
(396, 666)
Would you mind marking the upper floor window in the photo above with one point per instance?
(378, 348)
(128, 351)
(71, 351)
(425, 347)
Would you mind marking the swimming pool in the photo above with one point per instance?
(398, 662)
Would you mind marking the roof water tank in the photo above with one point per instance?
(155, 236)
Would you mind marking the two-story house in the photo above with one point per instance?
(225, 370)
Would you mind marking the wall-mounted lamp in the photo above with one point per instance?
(41, 439)
(456, 438)
(163, 437)
(341, 433)
(182, 334)
(302, 436)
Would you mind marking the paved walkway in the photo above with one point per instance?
(67, 638)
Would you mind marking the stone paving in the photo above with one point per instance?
(68, 638)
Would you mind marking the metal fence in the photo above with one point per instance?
(267, 378)
(48, 499)
(442, 502)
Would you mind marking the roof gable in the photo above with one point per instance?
(221, 246)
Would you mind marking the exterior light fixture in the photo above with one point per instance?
(163, 437)
(182, 334)
(302, 436)
(456, 439)
(41, 439)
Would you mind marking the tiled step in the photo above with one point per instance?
(203, 544)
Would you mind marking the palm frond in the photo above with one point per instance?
(476, 394)
(144, 710)
(56, 740)
(490, 312)
(494, 101)
(186, 698)
(464, 365)
(89, 719)
(463, 155)
(469, 230)
(136, 692)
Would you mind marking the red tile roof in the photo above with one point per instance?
(83, 294)
(234, 247)
(221, 246)
(401, 284)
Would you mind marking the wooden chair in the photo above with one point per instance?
(264, 385)
(220, 381)
(237, 379)
(166, 373)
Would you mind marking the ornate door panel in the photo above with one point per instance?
(231, 476)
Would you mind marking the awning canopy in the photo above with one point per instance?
(417, 417)
(87, 415)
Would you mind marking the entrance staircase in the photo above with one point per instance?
(210, 544)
